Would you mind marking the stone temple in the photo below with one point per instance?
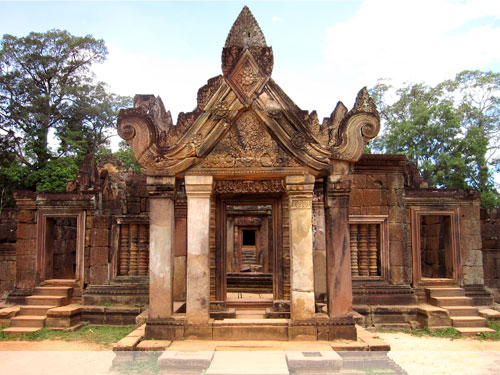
(252, 220)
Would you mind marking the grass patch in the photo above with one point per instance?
(450, 332)
(103, 335)
(491, 336)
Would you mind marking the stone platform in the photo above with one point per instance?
(321, 327)
(258, 357)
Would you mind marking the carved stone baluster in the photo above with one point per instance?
(354, 249)
(142, 268)
(134, 247)
(372, 248)
(124, 249)
(363, 250)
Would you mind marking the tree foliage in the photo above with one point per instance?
(52, 112)
(450, 131)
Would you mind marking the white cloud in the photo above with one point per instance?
(276, 19)
(412, 40)
(177, 82)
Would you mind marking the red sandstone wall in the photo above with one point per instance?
(8, 225)
(490, 233)
(382, 193)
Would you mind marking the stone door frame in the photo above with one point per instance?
(272, 199)
(454, 216)
(41, 240)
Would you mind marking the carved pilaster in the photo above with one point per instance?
(300, 194)
(198, 191)
(338, 251)
(161, 253)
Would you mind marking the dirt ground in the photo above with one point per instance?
(415, 355)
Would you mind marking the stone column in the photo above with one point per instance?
(161, 246)
(300, 193)
(338, 255)
(198, 191)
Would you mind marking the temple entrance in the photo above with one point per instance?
(60, 244)
(60, 259)
(435, 246)
(249, 248)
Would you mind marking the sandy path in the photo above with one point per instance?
(440, 356)
(50, 345)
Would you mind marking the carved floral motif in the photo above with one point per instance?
(250, 186)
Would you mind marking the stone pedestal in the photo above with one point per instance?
(161, 246)
(300, 191)
(338, 257)
(198, 191)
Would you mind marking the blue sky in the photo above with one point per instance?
(324, 51)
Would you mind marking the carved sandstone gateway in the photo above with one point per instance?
(249, 208)
(248, 145)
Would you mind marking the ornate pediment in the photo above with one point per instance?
(247, 148)
(245, 123)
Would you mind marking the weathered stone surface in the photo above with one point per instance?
(161, 255)
(198, 190)
(26, 231)
(99, 237)
(98, 256)
(98, 274)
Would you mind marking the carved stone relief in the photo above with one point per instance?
(248, 144)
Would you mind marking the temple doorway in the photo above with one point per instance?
(60, 244)
(249, 250)
(435, 237)
(60, 259)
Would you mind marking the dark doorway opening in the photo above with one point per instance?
(60, 248)
(436, 246)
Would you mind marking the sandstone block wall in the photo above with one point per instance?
(8, 227)
(382, 193)
(490, 236)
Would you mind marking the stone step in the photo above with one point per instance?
(468, 321)
(474, 331)
(250, 314)
(46, 300)
(20, 330)
(59, 282)
(450, 301)
(251, 329)
(462, 311)
(64, 291)
(35, 310)
(445, 292)
(28, 321)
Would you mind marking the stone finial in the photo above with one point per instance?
(245, 32)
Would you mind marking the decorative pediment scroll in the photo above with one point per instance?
(244, 123)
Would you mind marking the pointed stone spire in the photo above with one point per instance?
(245, 32)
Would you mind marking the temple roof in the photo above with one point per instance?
(244, 123)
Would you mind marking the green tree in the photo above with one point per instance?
(449, 131)
(127, 158)
(50, 101)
